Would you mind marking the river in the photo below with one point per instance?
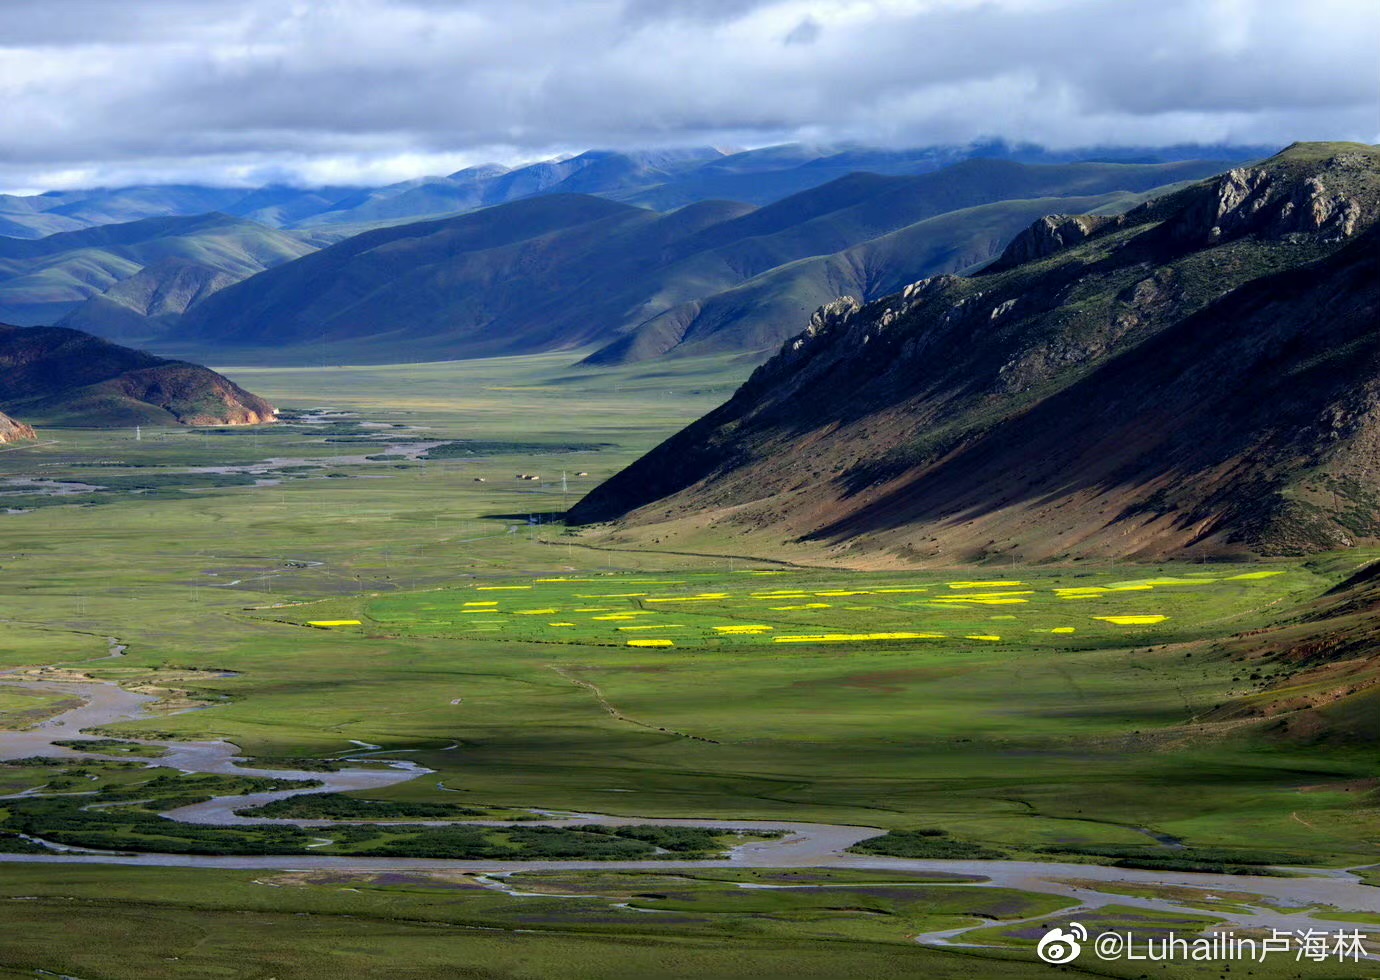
(806, 845)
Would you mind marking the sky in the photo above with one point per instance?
(108, 92)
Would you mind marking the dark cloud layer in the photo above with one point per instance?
(247, 90)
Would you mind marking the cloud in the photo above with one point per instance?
(806, 32)
(223, 90)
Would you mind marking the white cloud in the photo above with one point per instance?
(365, 90)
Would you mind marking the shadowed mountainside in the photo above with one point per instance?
(65, 377)
(1200, 374)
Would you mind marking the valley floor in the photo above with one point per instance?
(1087, 724)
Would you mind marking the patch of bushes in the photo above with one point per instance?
(1212, 860)
(926, 843)
(336, 806)
(493, 447)
(14, 844)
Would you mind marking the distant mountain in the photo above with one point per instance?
(12, 431)
(1198, 375)
(39, 215)
(562, 271)
(136, 271)
(597, 172)
(660, 179)
(66, 377)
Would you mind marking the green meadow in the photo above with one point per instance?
(1065, 712)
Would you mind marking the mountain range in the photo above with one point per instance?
(565, 271)
(661, 179)
(1197, 375)
(637, 254)
(58, 376)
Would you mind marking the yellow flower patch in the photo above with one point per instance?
(984, 585)
(326, 624)
(742, 630)
(1149, 583)
(975, 601)
(651, 643)
(982, 636)
(1096, 591)
(702, 597)
(855, 637)
(1132, 620)
(560, 624)
(535, 612)
(808, 605)
(490, 602)
(1092, 591)
(501, 588)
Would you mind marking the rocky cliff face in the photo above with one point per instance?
(1200, 374)
(12, 431)
(67, 377)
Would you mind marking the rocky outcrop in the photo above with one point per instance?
(1274, 204)
(12, 431)
(1052, 234)
(826, 318)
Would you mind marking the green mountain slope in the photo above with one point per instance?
(65, 377)
(1201, 374)
(496, 280)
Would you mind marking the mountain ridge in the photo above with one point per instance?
(660, 179)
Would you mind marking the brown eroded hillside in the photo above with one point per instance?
(12, 431)
(66, 377)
